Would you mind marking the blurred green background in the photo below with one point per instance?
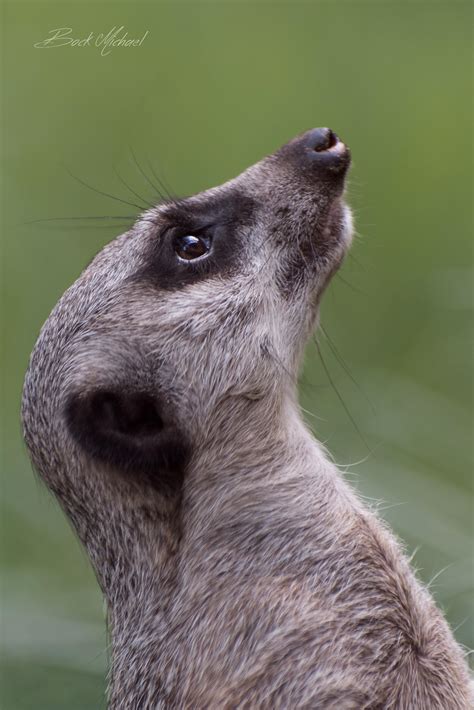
(213, 88)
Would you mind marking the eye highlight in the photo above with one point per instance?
(190, 246)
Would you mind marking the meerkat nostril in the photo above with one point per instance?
(333, 139)
(325, 140)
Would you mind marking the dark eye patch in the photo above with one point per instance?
(218, 220)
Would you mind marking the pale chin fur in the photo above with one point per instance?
(348, 226)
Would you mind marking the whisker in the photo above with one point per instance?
(161, 183)
(351, 286)
(344, 366)
(356, 261)
(150, 204)
(140, 169)
(115, 226)
(64, 219)
(101, 192)
(339, 396)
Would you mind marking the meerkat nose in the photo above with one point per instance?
(321, 152)
(323, 139)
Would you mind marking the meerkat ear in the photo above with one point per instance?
(126, 430)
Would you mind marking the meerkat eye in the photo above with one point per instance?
(190, 246)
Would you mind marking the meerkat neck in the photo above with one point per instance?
(263, 476)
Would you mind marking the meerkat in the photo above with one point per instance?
(160, 406)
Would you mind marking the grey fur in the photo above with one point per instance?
(262, 581)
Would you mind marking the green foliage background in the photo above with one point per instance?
(215, 86)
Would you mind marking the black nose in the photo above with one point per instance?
(321, 139)
(320, 154)
(325, 151)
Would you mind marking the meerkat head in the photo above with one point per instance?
(200, 312)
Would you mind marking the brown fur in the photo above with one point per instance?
(239, 568)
